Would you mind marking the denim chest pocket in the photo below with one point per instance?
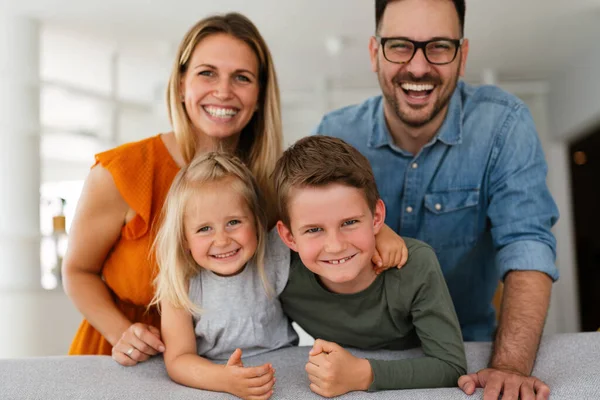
(451, 217)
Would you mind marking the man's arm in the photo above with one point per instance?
(524, 307)
(522, 212)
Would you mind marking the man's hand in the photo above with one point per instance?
(512, 385)
(390, 250)
(333, 371)
(252, 383)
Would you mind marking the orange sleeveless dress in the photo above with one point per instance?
(143, 172)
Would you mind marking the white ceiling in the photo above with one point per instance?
(519, 39)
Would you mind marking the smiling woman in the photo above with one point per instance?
(222, 95)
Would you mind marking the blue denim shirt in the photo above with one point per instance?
(476, 193)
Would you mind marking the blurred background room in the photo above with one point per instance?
(80, 77)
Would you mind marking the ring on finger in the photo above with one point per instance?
(130, 351)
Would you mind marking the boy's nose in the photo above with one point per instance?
(335, 243)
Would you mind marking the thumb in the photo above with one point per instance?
(235, 359)
(323, 346)
(376, 259)
(468, 383)
(154, 330)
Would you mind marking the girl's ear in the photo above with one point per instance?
(286, 235)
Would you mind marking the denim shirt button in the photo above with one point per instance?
(409, 209)
(415, 165)
(438, 206)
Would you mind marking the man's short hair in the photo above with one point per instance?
(318, 161)
(380, 6)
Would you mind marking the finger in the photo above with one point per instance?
(403, 258)
(261, 397)
(317, 348)
(312, 369)
(526, 391)
(376, 259)
(235, 358)
(493, 388)
(122, 359)
(129, 350)
(319, 360)
(154, 330)
(318, 390)
(325, 346)
(468, 383)
(149, 340)
(254, 372)
(512, 386)
(265, 388)
(261, 380)
(542, 391)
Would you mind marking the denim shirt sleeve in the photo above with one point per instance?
(521, 208)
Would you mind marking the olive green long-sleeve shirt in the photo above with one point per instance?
(401, 309)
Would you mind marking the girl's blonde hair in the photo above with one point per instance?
(175, 262)
(261, 140)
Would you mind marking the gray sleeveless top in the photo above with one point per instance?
(237, 310)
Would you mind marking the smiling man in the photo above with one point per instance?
(461, 168)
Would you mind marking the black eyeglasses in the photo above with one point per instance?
(400, 50)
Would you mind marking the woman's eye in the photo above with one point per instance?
(206, 73)
(242, 78)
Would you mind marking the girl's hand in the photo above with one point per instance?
(390, 250)
(137, 344)
(251, 383)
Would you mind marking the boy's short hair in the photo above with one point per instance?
(320, 161)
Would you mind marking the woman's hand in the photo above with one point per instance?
(137, 344)
(390, 250)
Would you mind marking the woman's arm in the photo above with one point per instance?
(100, 215)
(186, 367)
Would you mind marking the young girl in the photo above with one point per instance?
(220, 275)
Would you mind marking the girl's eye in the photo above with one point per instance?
(351, 222)
(234, 222)
(313, 230)
(204, 229)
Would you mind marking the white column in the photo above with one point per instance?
(19, 185)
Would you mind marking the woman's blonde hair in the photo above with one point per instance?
(175, 262)
(261, 139)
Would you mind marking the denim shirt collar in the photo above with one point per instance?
(450, 132)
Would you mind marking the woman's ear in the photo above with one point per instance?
(286, 235)
(378, 216)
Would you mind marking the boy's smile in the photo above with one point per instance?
(333, 230)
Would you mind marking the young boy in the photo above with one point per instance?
(330, 213)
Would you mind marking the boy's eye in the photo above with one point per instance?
(204, 229)
(351, 222)
(313, 230)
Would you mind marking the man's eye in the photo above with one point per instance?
(351, 222)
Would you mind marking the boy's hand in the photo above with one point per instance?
(390, 250)
(333, 371)
(252, 383)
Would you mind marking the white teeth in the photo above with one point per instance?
(343, 260)
(415, 87)
(225, 255)
(221, 112)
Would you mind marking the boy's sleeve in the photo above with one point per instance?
(437, 327)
